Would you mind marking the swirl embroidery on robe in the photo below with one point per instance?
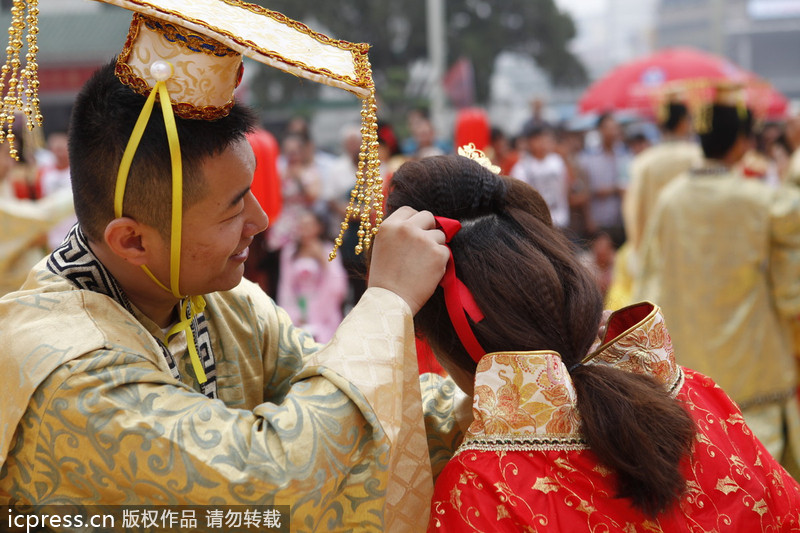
(76, 262)
(732, 483)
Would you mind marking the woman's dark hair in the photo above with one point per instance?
(535, 295)
(727, 125)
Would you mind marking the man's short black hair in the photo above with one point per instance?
(676, 113)
(102, 120)
(727, 124)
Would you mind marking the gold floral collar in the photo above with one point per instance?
(524, 398)
(637, 341)
(527, 401)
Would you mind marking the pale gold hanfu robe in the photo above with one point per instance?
(22, 224)
(90, 413)
(792, 176)
(651, 171)
(721, 256)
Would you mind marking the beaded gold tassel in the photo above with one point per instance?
(699, 100)
(367, 195)
(704, 93)
(22, 93)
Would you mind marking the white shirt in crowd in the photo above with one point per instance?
(549, 177)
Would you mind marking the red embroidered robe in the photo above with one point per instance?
(524, 465)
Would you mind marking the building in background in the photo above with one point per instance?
(610, 32)
(758, 35)
(67, 62)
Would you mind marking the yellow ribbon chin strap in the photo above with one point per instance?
(196, 303)
(196, 306)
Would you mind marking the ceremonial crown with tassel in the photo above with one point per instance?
(701, 94)
(195, 48)
(668, 95)
(187, 54)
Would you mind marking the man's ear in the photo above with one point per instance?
(129, 240)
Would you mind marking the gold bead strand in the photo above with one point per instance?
(365, 226)
(367, 194)
(11, 100)
(377, 202)
(22, 92)
(373, 185)
(362, 174)
(357, 193)
(31, 72)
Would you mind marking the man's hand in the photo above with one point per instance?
(409, 256)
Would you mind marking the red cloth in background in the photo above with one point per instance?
(266, 180)
(472, 126)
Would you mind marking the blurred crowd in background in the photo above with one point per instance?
(582, 172)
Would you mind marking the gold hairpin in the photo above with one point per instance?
(470, 152)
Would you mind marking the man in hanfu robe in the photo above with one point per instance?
(721, 257)
(142, 369)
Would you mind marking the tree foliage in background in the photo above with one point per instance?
(396, 30)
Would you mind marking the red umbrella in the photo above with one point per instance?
(635, 85)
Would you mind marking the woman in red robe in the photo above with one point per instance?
(623, 439)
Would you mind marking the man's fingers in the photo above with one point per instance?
(439, 236)
(425, 219)
(402, 213)
(409, 256)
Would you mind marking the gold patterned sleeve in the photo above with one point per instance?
(371, 354)
(111, 427)
(374, 350)
(115, 432)
(785, 251)
(448, 414)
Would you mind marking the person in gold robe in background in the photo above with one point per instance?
(792, 174)
(142, 369)
(721, 256)
(791, 177)
(656, 166)
(650, 171)
(24, 223)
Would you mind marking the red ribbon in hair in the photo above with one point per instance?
(457, 297)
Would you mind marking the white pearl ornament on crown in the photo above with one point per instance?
(161, 70)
